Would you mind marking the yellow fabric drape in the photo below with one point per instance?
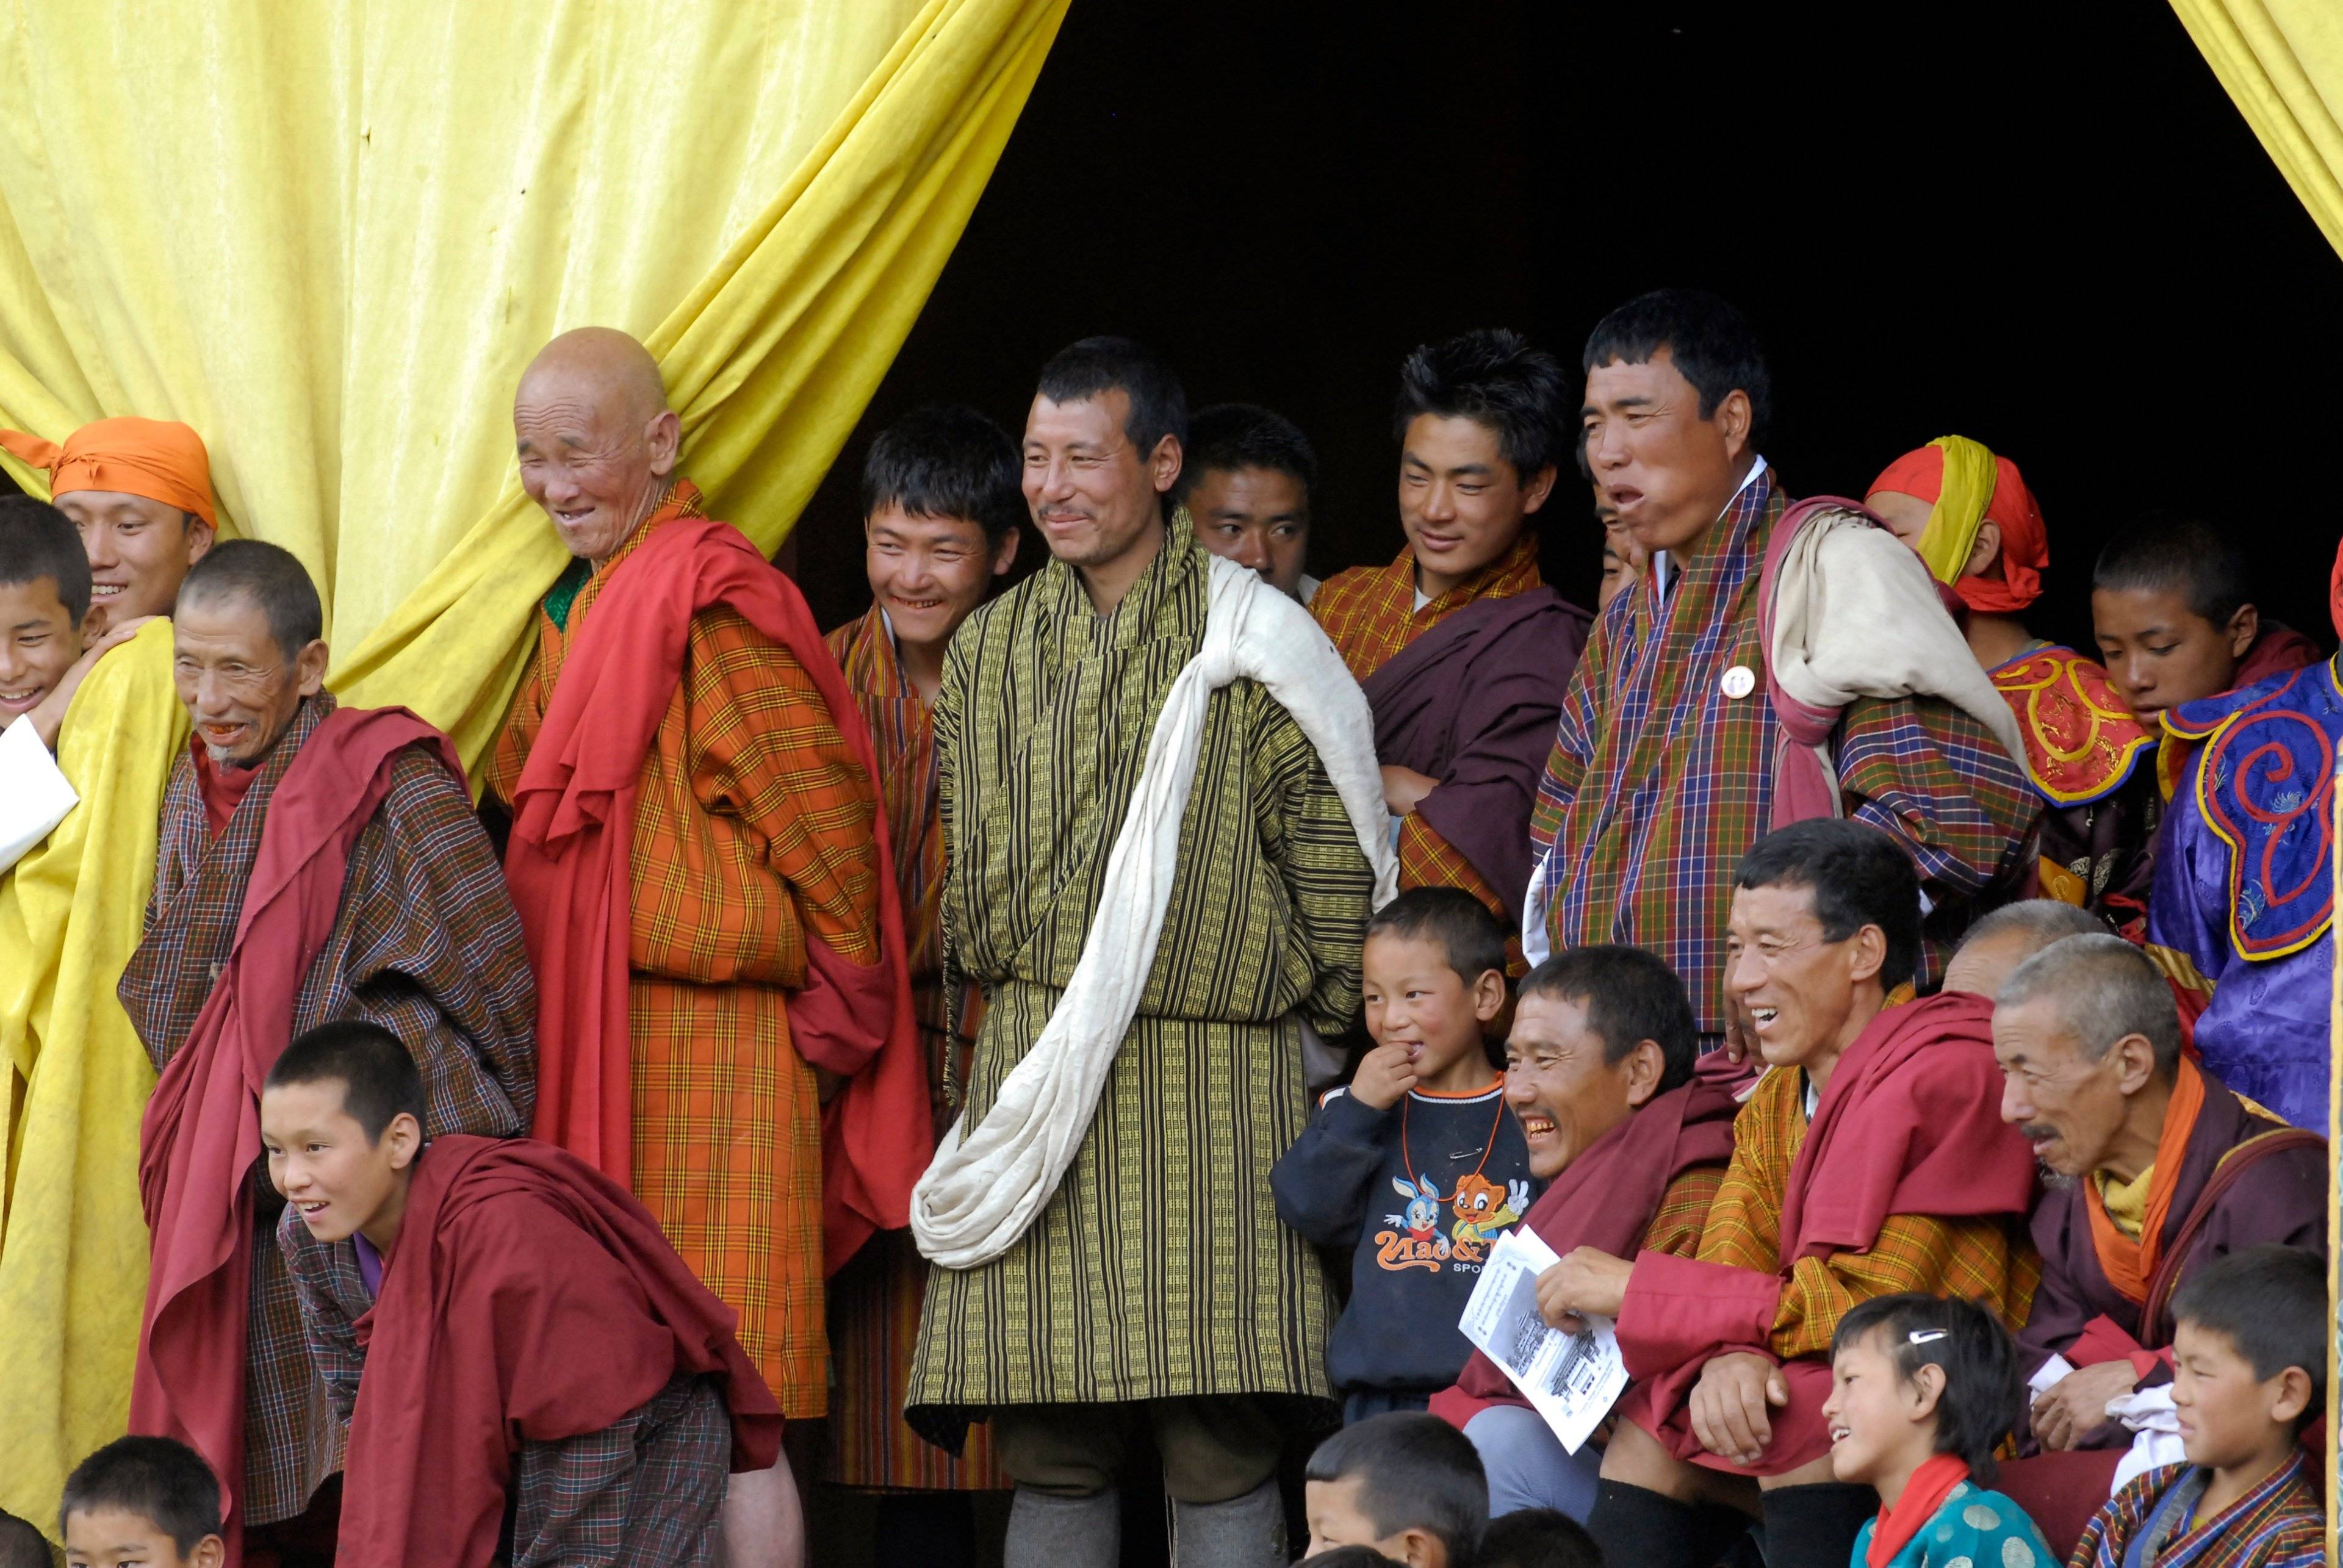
(2281, 62)
(330, 236)
(73, 1244)
(1962, 498)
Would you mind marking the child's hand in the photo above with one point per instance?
(1384, 1074)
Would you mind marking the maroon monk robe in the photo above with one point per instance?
(489, 1333)
(1473, 703)
(1606, 1199)
(1909, 1124)
(201, 1132)
(2280, 1198)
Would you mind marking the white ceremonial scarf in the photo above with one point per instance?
(986, 1185)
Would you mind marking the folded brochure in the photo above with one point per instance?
(1571, 1379)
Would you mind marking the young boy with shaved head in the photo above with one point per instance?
(698, 855)
(586, 1394)
(316, 862)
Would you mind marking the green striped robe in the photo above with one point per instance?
(1159, 1267)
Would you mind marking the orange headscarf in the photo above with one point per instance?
(2025, 543)
(160, 459)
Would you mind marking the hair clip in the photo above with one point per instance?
(1926, 1336)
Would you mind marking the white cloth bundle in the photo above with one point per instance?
(986, 1185)
(1855, 614)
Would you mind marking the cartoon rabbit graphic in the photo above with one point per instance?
(1484, 1212)
(1422, 1217)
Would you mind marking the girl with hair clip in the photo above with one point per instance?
(1922, 1390)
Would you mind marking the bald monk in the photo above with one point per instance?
(80, 789)
(698, 856)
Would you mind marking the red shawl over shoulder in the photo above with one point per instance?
(489, 1333)
(201, 1133)
(1606, 1197)
(568, 863)
(1910, 1124)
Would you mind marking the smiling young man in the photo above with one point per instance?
(44, 604)
(381, 898)
(1630, 1146)
(1663, 768)
(138, 493)
(745, 857)
(1142, 1280)
(941, 510)
(1463, 649)
(2167, 1170)
(1244, 483)
(1867, 1162)
(585, 1391)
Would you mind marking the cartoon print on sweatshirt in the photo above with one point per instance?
(1485, 1212)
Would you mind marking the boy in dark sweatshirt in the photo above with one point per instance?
(1418, 1163)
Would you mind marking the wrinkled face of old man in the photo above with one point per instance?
(596, 441)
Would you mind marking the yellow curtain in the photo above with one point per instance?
(2281, 62)
(330, 236)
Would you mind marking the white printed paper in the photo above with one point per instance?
(1571, 1379)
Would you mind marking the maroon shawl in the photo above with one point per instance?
(502, 1322)
(1473, 703)
(1606, 1197)
(201, 1133)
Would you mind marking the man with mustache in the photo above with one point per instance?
(95, 755)
(1673, 755)
(2167, 1170)
(316, 862)
(1867, 1162)
(1463, 649)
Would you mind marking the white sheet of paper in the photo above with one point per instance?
(1571, 1379)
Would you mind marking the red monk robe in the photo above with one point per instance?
(1644, 1185)
(1907, 1179)
(351, 879)
(533, 1336)
(680, 703)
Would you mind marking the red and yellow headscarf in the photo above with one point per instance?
(1969, 486)
(160, 459)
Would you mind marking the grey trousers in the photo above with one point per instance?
(1527, 1465)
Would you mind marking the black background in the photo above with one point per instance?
(2043, 225)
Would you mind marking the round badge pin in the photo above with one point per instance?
(1739, 681)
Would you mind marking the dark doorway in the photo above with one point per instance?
(2044, 226)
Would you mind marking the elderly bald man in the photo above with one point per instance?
(2167, 1170)
(698, 861)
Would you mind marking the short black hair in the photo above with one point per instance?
(158, 1478)
(1472, 937)
(1493, 377)
(1710, 342)
(2165, 553)
(1983, 1391)
(22, 1544)
(377, 1076)
(2269, 1301)
(1415, 1472)
(37, 541)
(1098, 365)
(1537, 1538)
(1630, 995)
(1352, 1557)
(1228, 437)
(948, 461)
(271, 579)
(1859, 877)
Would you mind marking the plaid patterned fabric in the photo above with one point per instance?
(1369, 614)
(1659, 781)
(1157, 1268)
(1683, 1213)
(874, 1301)
(646, 1491)
(753, 835)
(2281, 1524)
(426, 944)
(1984, 1261)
